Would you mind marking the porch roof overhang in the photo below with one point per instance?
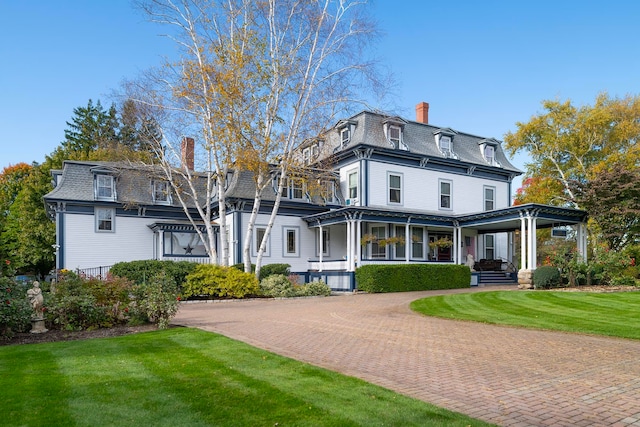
(499, 220)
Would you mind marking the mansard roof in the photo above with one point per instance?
(419, 138)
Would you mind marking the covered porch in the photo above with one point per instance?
(377, 236)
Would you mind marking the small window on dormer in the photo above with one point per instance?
(105, 187)
(161, 192)
(445, 144)
(345, 135)
(395, 134)
(306, 155)
(489, 154)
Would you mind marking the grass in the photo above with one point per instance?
(187, 377)
(611, 314)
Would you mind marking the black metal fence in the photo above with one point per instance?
(96, 272)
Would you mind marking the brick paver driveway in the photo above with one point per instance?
(507, 376)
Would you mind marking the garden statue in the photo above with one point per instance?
(470, 262)
(36, 300)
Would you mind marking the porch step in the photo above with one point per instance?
(497, 277)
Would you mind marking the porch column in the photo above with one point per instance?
(321, 246)
(348, 235)
(407, 242)
(454, 250)
(160, 248)
(523, 244)
(531, 240)
(581, 241)
(358, 238)
(459, 245)
(352, 254)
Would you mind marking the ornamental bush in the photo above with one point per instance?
(73, 307)
(271, 269)
(318, 288)
(15, 312)
(277, 286)
(156, 300)
(546, 277)
(217, 281)
(141, 271)
(412, 277)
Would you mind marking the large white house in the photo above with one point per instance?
(404, 191)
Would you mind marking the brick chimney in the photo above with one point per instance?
(422, 113)
(186, 150)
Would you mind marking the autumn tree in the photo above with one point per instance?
(254, 81)
(613, 202)
(566, 143)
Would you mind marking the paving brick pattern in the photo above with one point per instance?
(507, 376)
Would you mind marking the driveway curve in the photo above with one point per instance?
(504, 375)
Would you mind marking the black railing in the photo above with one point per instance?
(95, 272)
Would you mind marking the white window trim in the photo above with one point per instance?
(441, 139)
(424, 250)
(357, 186)
(492, 247)
(395, 141)
(399, 231)
(325, 248)
(97, 211)
(329, 191)
(285, 241)
(302, 188)
(256, 243)
(154, 191)
(389, 188)
(370, 245)
(490, 159)
(440, 194)
(97, 187)
(484, 197)
(345, 136)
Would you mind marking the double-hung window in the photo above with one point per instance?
(489, 154)
(105, 219)
(297, 189)
(395, 188)
(378, 250)
(161, 192)
(325, 243)
(395, 135)
(399, 231)
(104, 187)
(417, 242)
(445, 144)
(345, 136)
(353, 185)
(258, 235)
(489, 246)
(445, 194)
(489, 198)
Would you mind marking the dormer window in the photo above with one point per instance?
(445, 144)
(161, 194)
(488, 150)
(489, 154)
(345, 136)
(393, 130)
(394, 135)
(104, 187)
(310, 154)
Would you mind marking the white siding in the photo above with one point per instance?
(86, 248)
(306, 241)
(420, 189)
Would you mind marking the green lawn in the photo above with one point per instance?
(613, 314)
(187, 377)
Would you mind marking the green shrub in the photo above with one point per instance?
(156, 299)
(73, 307)
(217, 281)
(141, 271)
(412, 277)
(240, 266)
(277, 286)
(15, 312)
(546, 277)
(271, 269)
(318, 288)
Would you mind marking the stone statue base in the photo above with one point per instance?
(37, 326)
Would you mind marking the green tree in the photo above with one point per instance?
(91, 128)
(11, 181)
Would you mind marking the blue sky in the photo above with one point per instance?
(481, 65)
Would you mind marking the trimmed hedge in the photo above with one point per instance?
(412, 277)
(271, 269)
(141, 271)
(217, 281)
(546, 277)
